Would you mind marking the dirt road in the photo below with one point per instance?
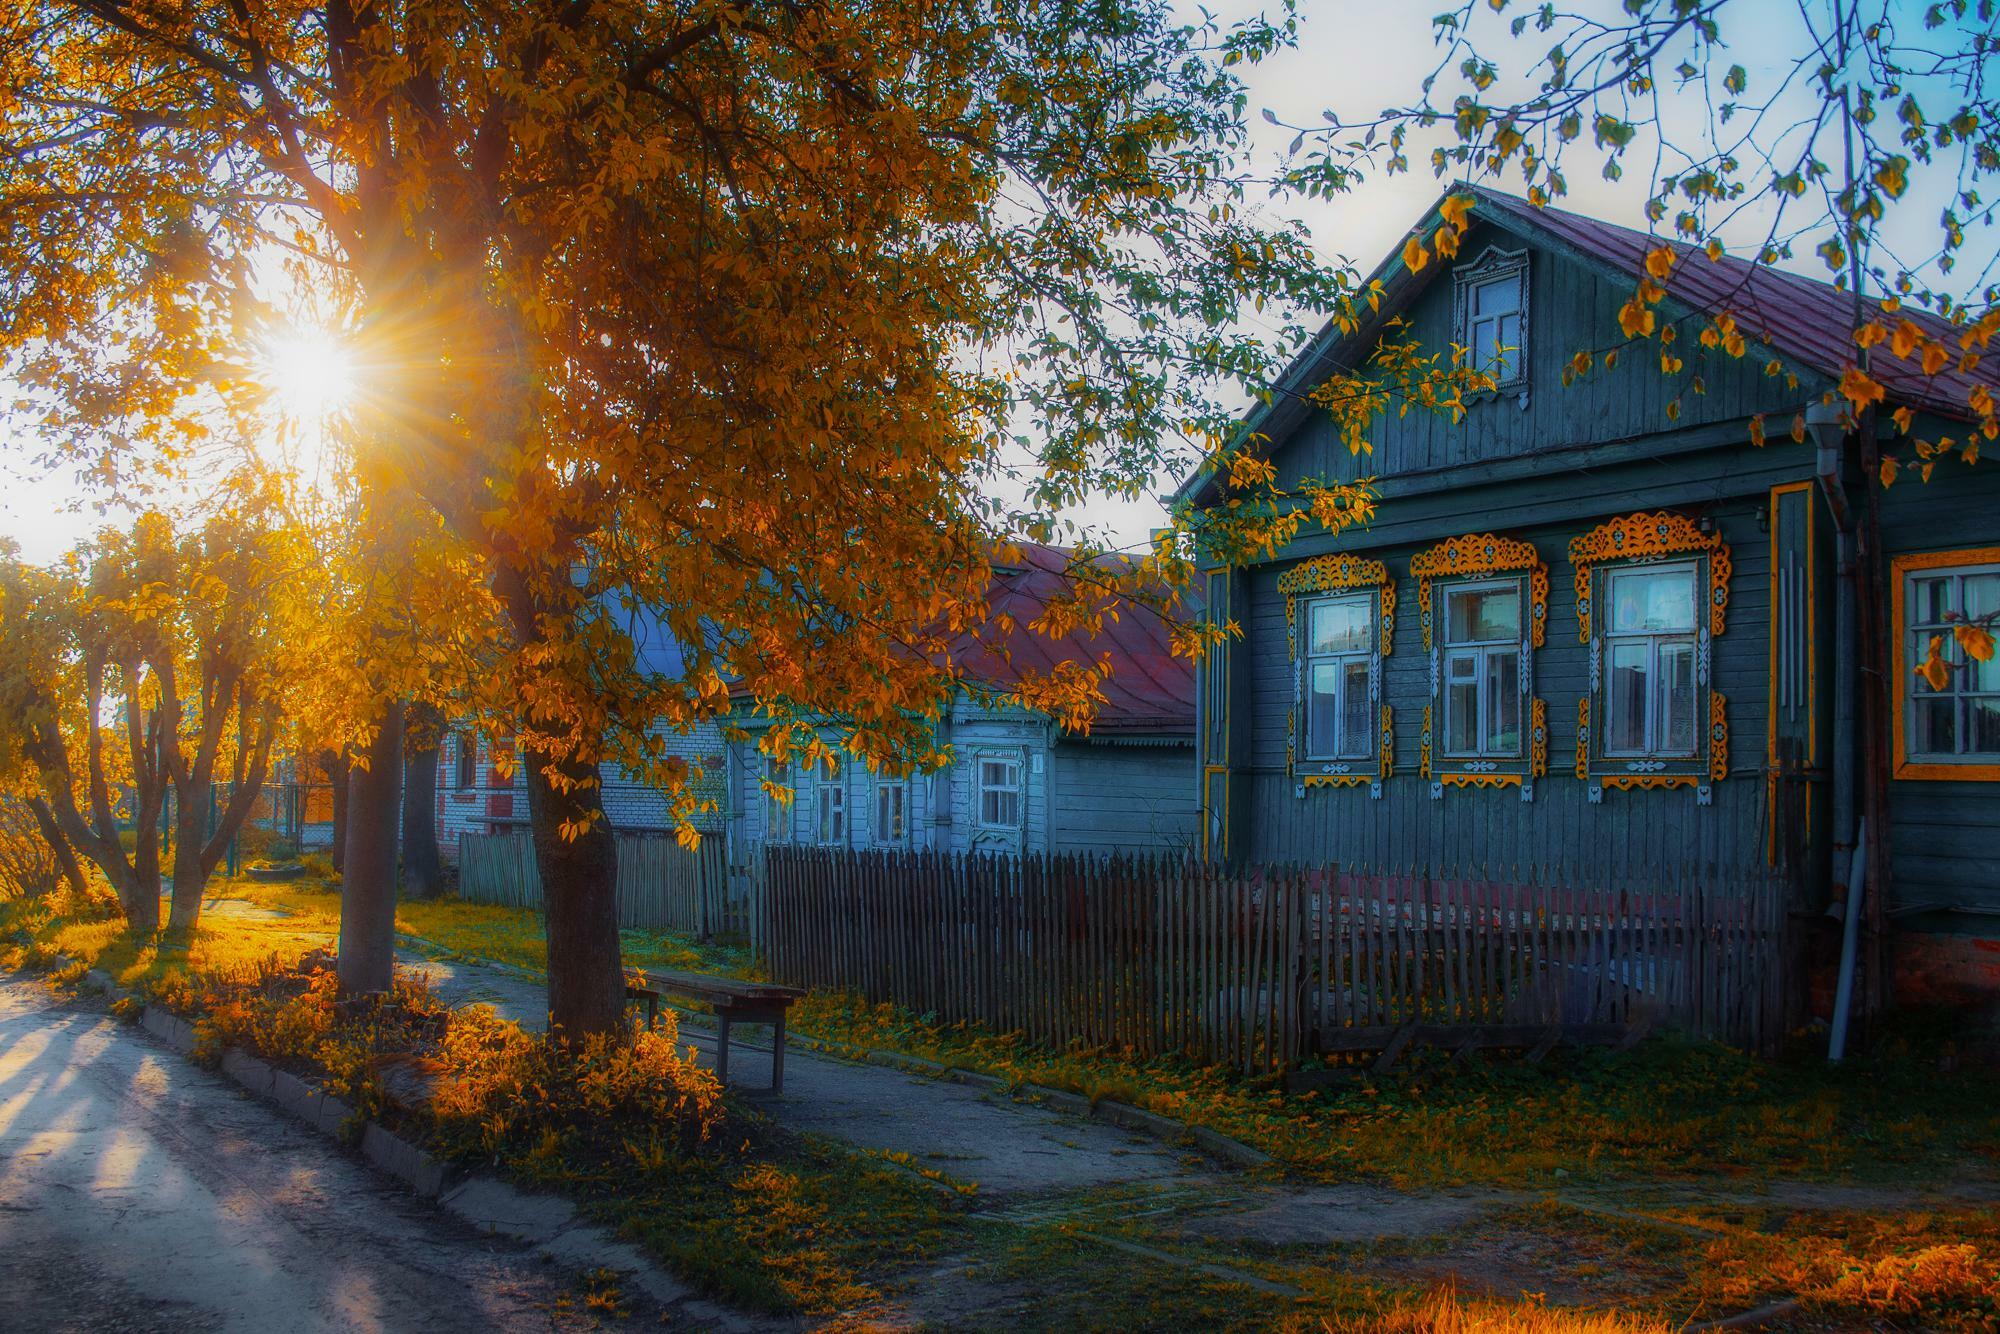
(140, 1193)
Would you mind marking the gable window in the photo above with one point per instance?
(1948, 727)
(830, 811)
(1649, 662)
(999, 792)
(890, 800)
(1339, 667)
(1491, 300)
(465, 756)
(1482, 669)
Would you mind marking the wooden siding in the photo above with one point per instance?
(1473, 830)
(1944, 836)
(1112, 798)
(1572, 307)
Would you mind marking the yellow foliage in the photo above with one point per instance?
(1443, 1311)
(1635, 319)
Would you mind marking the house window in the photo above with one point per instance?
(999, 792)
(1338, 661)
(830, 812)
(1482, 690)
(1492, 305)
(1952, 729)
(465, 757)
(1650, 692)
(777, 808)
(890, 800)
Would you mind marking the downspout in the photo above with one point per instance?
(1829, 434)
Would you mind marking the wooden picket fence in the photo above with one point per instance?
(1257, 971)
(661, 885)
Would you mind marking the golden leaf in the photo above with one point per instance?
(1414, 255)
(1976, 640)
(1635, 319)
(1904, 341)
(1660, 263)
(1934, 669)
(1858, 388)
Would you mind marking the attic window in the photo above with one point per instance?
(1491, 301)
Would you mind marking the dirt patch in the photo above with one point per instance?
(1338, 1215)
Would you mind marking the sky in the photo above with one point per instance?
(1322, 73)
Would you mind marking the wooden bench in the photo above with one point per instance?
(734, 1002)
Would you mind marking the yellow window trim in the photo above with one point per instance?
(1899, 568)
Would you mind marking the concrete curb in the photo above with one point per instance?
(1211, 1142)
(547, 1223)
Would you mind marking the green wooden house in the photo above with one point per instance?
(1589, 631)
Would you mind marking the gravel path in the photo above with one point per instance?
(140, 1193)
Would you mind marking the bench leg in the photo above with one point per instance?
(722, 1051)
(778, 1054)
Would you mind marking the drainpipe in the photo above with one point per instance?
(1826, 422)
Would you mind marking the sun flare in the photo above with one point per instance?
(310, 375)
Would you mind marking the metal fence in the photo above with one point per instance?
(1258, 971)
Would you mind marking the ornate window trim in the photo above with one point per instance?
(1493, 263)
(1481, 555)
(1340, 574)
(1642, 539)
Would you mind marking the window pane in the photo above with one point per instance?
(1461, 704)
(1503, 703)
(1981, 595)
(1497, 296)
(1340, 627)
(1323, 710)
(1982, 727)
(1933, 729)
(888, 814)
(1655, 600)
(1930, 600)
(1625, 698)
(1978, 675)
(1676, 699)
(1354, 711)
(1483, 614)
(1506, 342)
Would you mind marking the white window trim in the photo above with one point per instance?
(1694, 637)
(883, 787)
(1481, 650)
(980, 788)
(1916, 641)
(1308, 660)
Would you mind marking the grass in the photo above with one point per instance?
(784, 1222)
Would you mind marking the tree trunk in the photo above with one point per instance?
(368, 887)
(337, 769)
(423, 866)
(65, 855)
(580, 899)
(191, 812)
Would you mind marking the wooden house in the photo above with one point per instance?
(1017, 781)
(1596, 623)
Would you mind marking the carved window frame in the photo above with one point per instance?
(1493, 264)
(1634, 541)
(1481, 557)
(1329, 575)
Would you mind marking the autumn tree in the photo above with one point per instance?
(741, 313)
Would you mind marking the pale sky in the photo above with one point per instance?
(1328, 71)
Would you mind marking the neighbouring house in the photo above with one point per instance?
(1585, 631)
(479, 791)
(1017, 781)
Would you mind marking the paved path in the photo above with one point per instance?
(140, 1193)
(1008, 1148)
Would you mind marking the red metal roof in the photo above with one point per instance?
(1809, 321)
(1150, 691)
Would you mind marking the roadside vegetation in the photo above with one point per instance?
(780, 1222)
